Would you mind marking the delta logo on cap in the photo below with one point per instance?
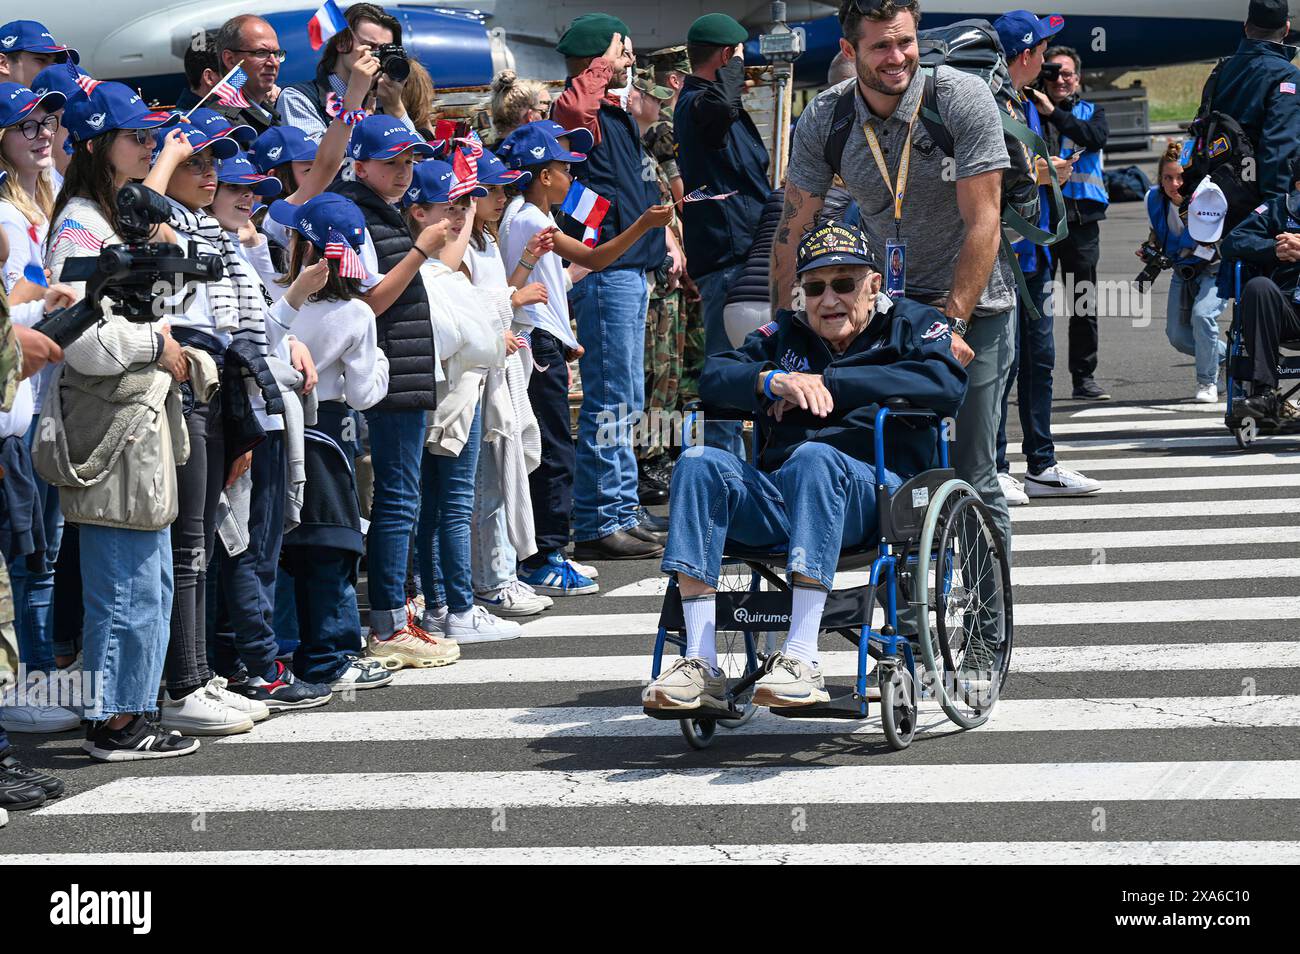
(1206, 212)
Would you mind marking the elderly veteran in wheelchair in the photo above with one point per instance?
(815, 379)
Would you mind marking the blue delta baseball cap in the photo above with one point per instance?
(17, 102)
(214, 124)
(383, 137)
(238, 170)
(222, 148)
(110, 106)
(61, 78)
(580, 140)
(431, 180)
(531, 145)
(493, 172)
(28, 36)
(281, 144)
(1020, 30)
(315, 218)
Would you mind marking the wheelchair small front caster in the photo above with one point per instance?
(699, 732)
(897, 706)
(1245, 432)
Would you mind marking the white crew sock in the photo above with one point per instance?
(701, 627)
(805, 620)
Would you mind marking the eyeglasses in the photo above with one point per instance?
(1066, 74)
(32, 128)
(198, 165)
(277, 55)
(142, 137)
(841, 286)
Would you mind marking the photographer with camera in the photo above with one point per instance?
(1191, 322)
(116, 467)
(370, 30)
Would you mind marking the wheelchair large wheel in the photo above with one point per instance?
(898, 706)
(737, 654)
(966, 625)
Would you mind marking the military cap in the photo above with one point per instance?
(671, 58)
(589, 35)
(645, 82)
(716, 29)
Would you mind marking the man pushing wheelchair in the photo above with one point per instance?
(816, 379)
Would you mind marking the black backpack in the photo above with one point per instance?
(1222, 151)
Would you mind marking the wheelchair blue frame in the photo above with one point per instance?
(888, 645)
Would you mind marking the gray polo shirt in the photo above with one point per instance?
(932, 225)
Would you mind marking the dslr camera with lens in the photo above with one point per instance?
(1154, 262)
(393, 61)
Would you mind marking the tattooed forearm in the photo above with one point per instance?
(797, 217)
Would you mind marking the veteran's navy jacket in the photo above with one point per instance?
(1254, 241)
(905, 351)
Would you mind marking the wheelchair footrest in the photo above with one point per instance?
(848, 706)
(704, 712)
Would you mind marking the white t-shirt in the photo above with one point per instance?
(552, 315)
(486, 268)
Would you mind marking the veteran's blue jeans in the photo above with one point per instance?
(396, 443)
(610, 309)
(819, 502)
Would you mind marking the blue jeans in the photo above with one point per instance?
(396, 444)
(1035, 356)
(816, 504)
(324, 586)
(127, 582)
(610, 309)
(724, 435)
(1197, 332)
(442, 550)
(33, 586)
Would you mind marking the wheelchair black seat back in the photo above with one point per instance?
(1244, 425)
(936, 563)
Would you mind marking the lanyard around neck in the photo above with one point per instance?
(899, 187)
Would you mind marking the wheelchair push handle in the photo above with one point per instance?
(901, 407)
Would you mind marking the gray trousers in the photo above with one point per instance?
(974, 452)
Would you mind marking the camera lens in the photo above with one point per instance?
(396, 67)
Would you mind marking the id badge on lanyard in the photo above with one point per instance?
(895, 268)
(895, 251)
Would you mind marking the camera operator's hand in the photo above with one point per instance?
(300, 358)
(239, 468)
(38, 350)
(309, 281)
(432, 238)
(1042, 101)
(1288, 247)
(59, 296)
(362, 80)
(389, 94)
(173, 360)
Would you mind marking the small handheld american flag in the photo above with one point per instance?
(85, 82)
(228, 91)
(78, 234)
(702, 194)
(464, 164)
(338, 248)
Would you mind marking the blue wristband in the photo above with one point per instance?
(767, 383)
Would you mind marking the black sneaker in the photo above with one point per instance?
(651, 522)
(11, 770)
(285, 692)
(141, 738)
(1262, 406)
(1090, 390)
(17, 796)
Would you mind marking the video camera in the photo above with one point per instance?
(393, 61)
(130, 273)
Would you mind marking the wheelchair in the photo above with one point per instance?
(1240, 422)
(937, 560)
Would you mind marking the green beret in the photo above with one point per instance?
(717, 29)
(671, 58)
(589, 35)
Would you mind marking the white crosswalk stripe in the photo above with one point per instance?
(1149, 670)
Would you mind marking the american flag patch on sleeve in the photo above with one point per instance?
(1288, 88)
(768, 329)
(1262, 208)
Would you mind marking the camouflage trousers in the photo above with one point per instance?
(664, 344)
(8, 638)
(693, 351)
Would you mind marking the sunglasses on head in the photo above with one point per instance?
(841, 286)
(868, 7)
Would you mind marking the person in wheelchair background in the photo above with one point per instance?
(1269, 241)
(816, 378)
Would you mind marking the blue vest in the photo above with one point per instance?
(1034, 258)
(615, 170)
(1175, 246)
(1087, 180)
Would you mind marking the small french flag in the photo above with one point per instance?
(586, 207)
(324, 23)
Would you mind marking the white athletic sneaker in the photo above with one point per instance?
(792, 682)
(362, 674)
(38, 719)
(1056, 481)
(516, 598)
(1207, 394)
(687, 684)
(1013, 490)
(541, 596)
(586, 569)
(255, 709)
(479, 626)
(435, 622)
(200, 713)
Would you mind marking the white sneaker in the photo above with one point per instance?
(1013, 490)
(1056, 481)
(516, 598)
(200, 713)
(479, 626)
(1207, 394)
(586, 569)
(363, 674)
(435, 622)
(541, 596)
(792, 682)
(38, 719)
(255, 709)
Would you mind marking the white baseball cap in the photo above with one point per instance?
(1206, 212)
